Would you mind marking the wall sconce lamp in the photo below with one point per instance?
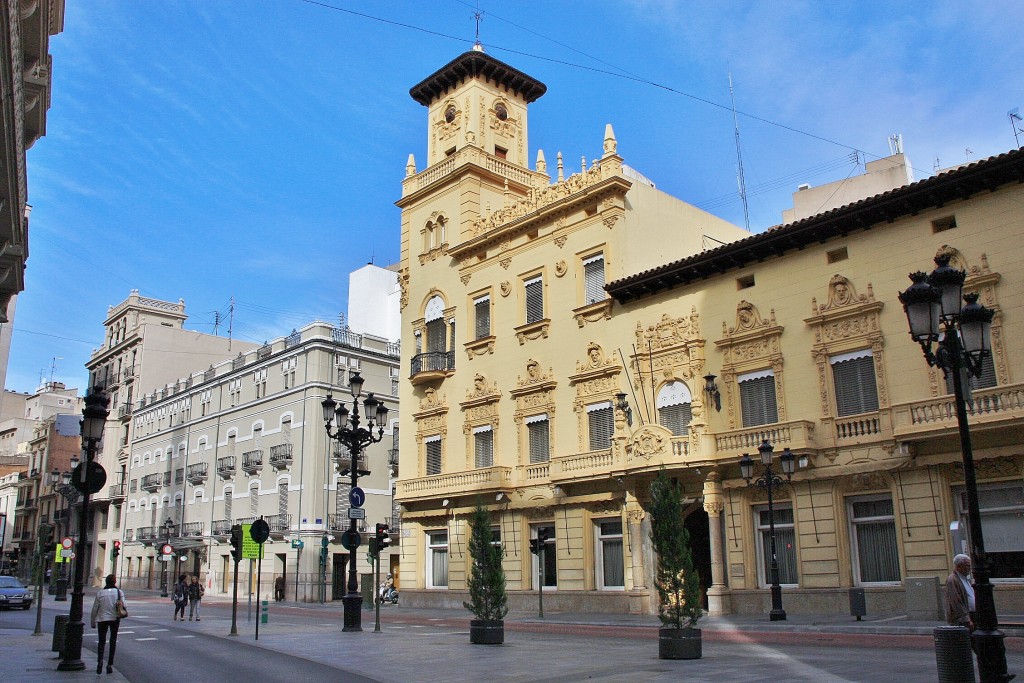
(622, 404)
(711, 389)
(444, 503)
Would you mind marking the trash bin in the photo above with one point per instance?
(953, 657)
(60, 625)
(858, 603)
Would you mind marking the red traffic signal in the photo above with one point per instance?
(383, 536)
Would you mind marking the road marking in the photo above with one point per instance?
(145, 639)
(158, 630)
(418, 626)
(184, 636)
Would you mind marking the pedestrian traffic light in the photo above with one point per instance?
(383, 536)
(236, 542)
(323, 550)
(116, 550)
(534, 545)
(542, 533)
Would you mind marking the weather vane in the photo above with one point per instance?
(478, 16)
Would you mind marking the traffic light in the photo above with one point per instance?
(537, 544)
(116, 550)
(383, 536)
(236, 542)
(542, 533)
(534, 545)
(323, 550)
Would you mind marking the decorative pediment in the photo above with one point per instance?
(668, 332)
(432, 402)
(481, 392)
(752, 344)
(842, 294)
(671, 347)
(534, 375)
(596, 375)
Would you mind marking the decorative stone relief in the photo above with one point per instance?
(560, 269)
(560, 240)
(506, 288)
(649, 441)
(752, 344)
(505, 263)
(403, 285)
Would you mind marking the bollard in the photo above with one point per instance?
(858, 603)
(953, 656)
(60, 625)
(264, 611)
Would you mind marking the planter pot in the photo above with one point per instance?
(486, 632)
(679, 643)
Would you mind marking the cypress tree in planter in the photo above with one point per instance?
(676, 579)
(488, 600)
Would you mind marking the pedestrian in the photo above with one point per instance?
(960, 605)
(195, 597)
(279, 588)
(180, 597)
(104, 614)
(47, 579)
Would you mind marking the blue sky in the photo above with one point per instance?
(254, 149)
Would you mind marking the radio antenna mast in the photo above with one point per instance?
(740, 180)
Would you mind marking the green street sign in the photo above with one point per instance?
(250, 548)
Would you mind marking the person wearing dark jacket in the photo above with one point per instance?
(195, 597)
(180, 598)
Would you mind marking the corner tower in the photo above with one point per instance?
(477, 100)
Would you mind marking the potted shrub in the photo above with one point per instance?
(488, 600)
(678, 585)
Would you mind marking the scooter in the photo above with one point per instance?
(386, 592)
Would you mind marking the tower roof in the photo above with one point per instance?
(476, 64)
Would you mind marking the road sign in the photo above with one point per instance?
(351, 539)
(356, 513)
(250, 548)
(298, 543)
(260, 531)
(66, 552)
(167, 549)
(356, 497)
(95, 477)
(67, 542)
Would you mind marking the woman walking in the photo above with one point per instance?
(104, 613)
(180, 597)
(195, 597)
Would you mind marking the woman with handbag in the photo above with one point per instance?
(107, 610)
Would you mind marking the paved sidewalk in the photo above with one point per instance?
(24, 657)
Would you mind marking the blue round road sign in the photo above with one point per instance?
(356, 497)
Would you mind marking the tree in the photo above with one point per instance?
(675, 577)
(487, 597)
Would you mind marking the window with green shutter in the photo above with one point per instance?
(853, 376)
(757, 398)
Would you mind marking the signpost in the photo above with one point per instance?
(259, 532)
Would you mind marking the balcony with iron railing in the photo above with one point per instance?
(196, 473)
(148, 533)
(226, 467)
(482, 481)
(337, 522)
(346, 337)
(152, 482)
(393, 461)
(116, 492)
(431, 365)
(129, 534)
(264, 351)
(394, 525)
(192, 529)
(343, 458)
(278, 524)
(252, 461)
(222, 527)
(281, 456)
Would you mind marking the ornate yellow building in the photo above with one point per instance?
(560, 333)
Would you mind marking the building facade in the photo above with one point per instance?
(564, 337)
(245, 439)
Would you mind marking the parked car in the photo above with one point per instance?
(13, 593)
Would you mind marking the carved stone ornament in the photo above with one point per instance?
(560, 240)
(481, 388)
(431, 399)
(609, 221)
(867, 481)
(403, 284)
(605, 507)
(465, 278)
(748, 318)
(560, 269)
(668, 331)
(505, 263)
(505, 288)
(841, 293)
(997, 468)
(649, 441)
(534, 374)
(595, 359)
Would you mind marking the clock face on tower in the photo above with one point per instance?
(501, 112)
(449, 113)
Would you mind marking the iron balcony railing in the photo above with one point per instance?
(226, 466)
(147, 533)
(252, 461)
(432, 361)
(192, 529)
(281, 455)
(197, 472)
(292, 339)
(341, 523)
(278, 523)
(346, 337)
(263, 351)
(222, 527)
(151, 482)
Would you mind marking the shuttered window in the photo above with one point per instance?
(534, 290)
(482, 311)
(785, 546)
(537, 433)
(601, 420)
(853, 375)
(433, 453)
(593, 279)
(483, 446)
(435, 336)
(674, 408)
(873, 531)
(282, 498)
(987, 378)
(757, 398)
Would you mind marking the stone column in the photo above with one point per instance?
(718, 594)
(634, 516)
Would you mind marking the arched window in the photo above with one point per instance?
(674, 408)
(434, 318)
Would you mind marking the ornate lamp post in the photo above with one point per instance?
(88, 477)
(62, 483)
(768, 481)
(168, 528)
(343, 426)
(935, 313)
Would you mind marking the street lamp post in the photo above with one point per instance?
(86, 475)
(62, 483)
(168, 527)
(935, 310)
(768, 481)
(343, 426)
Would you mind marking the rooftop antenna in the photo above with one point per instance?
(742, 183)
(1015, 123)
(53, 367)
(936, 166)
(216, 322)
(895, 144)
(968, 153)
(231, 321)
(478, 16)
